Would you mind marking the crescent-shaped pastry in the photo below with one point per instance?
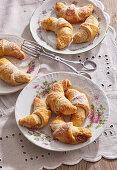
(79, 100)
(87, 30)
(59, 104)
(79, 117)
(72, 13)
(62, 29)
(8, 48)
(60, 86)
(56, 100)
(39, 118)
(11, 74)
(67, 133)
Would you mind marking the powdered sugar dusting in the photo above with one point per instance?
(70, 10)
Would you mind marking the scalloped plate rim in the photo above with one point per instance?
(77, 51)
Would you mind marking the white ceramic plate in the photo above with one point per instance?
(96, 120)
(29, 65)
(48, 39)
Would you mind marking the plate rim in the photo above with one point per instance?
(105, 14)
(70, 149)
(2, 34)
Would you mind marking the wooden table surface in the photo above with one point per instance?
(103, 164)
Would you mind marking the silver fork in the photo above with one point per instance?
(35, 50)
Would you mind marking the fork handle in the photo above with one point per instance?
(59, 58)
(71, 67)
(83, 64)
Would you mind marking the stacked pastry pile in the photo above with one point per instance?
(9, 72)
(62, 100)
(69, 15)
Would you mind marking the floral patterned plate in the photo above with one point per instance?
(29, 65)
(48, 39)
(96, 121)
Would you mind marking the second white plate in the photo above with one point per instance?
(48, 39)
(29, 64)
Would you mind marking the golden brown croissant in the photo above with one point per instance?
(67, 133)
(60, 86)
(79, 117)
(87, 30)
(11, 74)
(8, 48)
(72, 13)
(39, 118)
(79, 100)
(59, 104)
(62, 29)
(56, 100)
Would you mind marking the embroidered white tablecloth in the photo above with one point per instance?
(16, 152)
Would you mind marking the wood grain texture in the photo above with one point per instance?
(103, 164)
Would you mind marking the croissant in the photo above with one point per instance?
(60, 86)
(67, 133)
(87, 30)
(62, 29)
(8, 48)
(72, 13)
(11, 74)
(79, 100)
(39, 118)
(56, 100)
(79, 117)
(58, 103)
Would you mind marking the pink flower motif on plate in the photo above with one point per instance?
(96, 97)
(32, 129)
(30, 69)
(38, 22)
(91, 115)
(96, 118)
(96, 115)
(37, 96)
(35, 86)
(44, 143)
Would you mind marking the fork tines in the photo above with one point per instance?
(31, 47)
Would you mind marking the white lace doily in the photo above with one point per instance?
(16, 152)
